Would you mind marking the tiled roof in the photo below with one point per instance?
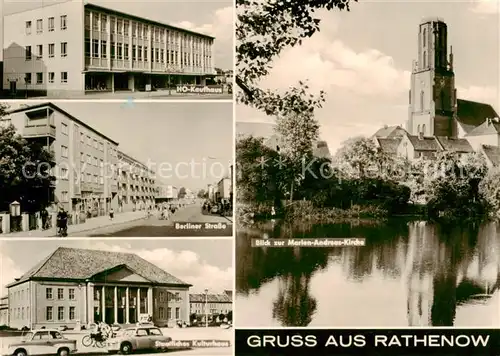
(210, 298)
(229, 293)
(472, 114)
(390, 132)
(488, 127)
(460, 145)
(389, 145)
(492, 153)
(82, 264)
(424, 144)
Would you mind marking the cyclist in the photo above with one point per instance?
(62, 222)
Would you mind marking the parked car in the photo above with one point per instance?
(138, 338)
(43, 342)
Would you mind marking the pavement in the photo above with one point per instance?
(88, 226)
(154, 227)
(127, 95)
(177, 334)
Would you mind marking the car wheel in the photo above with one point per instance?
(126, 348)
(63, 352)
(20, 353)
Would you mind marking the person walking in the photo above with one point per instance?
(62, 222)
(111, 214)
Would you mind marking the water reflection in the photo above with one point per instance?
(408, 274)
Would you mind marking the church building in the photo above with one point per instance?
(437, 119)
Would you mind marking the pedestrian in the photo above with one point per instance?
(111, 214)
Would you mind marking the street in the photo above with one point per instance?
(177, 334)
(154, 227)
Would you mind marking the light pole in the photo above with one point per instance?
(169, 69)
(206, 308)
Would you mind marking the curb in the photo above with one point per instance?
(101, 227)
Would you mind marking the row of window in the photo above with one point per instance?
(99, 22)
(20, 295)
(161, 313)
(97, 144)
(49, 313)
(60, 293)
(63, 24)
(51, 50)
(51, 78)
(20, 313)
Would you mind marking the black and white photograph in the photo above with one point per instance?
(111, 169)
(375, 121)
(107, 49)
(99, 297)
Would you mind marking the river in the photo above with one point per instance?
(410, 273)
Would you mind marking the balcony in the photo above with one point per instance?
(39, 131)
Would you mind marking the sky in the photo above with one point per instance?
(204, 263)
(362, 59)
(211, 17)
(188, 144)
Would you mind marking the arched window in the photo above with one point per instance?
(424, 37)
(422, 100)
(418, 129)
(423, 129)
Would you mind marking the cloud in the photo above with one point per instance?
(486, 7)
(185, 265)
(221, 26)
(8, 270)
(488, 95)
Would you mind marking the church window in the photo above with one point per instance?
(423, 129)
(422, 100)
(424, 37)
(418, 129)
(424, 59)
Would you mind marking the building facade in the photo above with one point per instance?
(77, 286)
(81, 47)
(211, 304)
(4, 311)
(224, 188)
(166, 193)
(137, 188)
(85, 159)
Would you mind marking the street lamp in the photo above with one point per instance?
(169, 69)
(206, 308)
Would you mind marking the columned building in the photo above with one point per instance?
(77, 47)
(78, 286)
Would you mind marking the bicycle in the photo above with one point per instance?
(91, 341)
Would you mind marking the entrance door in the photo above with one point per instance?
(132, 315)
(13, 87)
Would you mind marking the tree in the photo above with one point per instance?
(25, 175)
(182, 193)
(263, 30)
(202, 194)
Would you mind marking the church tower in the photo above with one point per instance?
(432, 99)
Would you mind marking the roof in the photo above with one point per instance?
(321, 150)
(389, 145)
(488, 127)
(424, 144)
(472, 113)
(492, 153)
(460, 145)
(390, 131)
(57, 108)
(82, 264)
(210, 298)
(229, 293)
(120, 13)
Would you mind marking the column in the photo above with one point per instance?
(138, 308)
(127, 307)
(130, 44)
(90, 303)
(150, 301)
(91, 23)
(115, 305)
(103, 304)
(108, 40)
(185, 313)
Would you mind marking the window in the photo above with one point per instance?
(22, 313)
(145, 54)
(82, 137)
(125, 51)
(422, 100)
(95, 48)
(134, 52)
(96, 146)
(28, 53)
(64, 49)
(82, 157)
(48, 314)
(28, 27)
(71, 294)
(96, 178)
(89, 159)
(95, 21)
(48, 293)
(101, 146)
(52, 77)
(89, 141)
(101, 180)
(141, 332)
(94, 161)
(424, 38)
(120, 51)
(39, 49)
(64, 128)
(104, 49)
(104, 23)
(60, 293)
(64, 20)
(155, 332)
(101, 163)
(139, 53)
(39, 26)
(60, 313)
(177, 313)
(52, 50)
(64, 77)
(51, 24)
(64, 196)
(39, 78)
(424, 62)
(89, 178)
(27, 78)
(161, 312)
(169, 313)
(64, 175)
(71, 313)
(423, 129)
(64, 151)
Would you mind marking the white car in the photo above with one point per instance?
(42, 342)
(143, 337)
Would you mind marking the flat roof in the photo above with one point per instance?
(90, 5)
(57, 108)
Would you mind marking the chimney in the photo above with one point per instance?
(420, 135)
